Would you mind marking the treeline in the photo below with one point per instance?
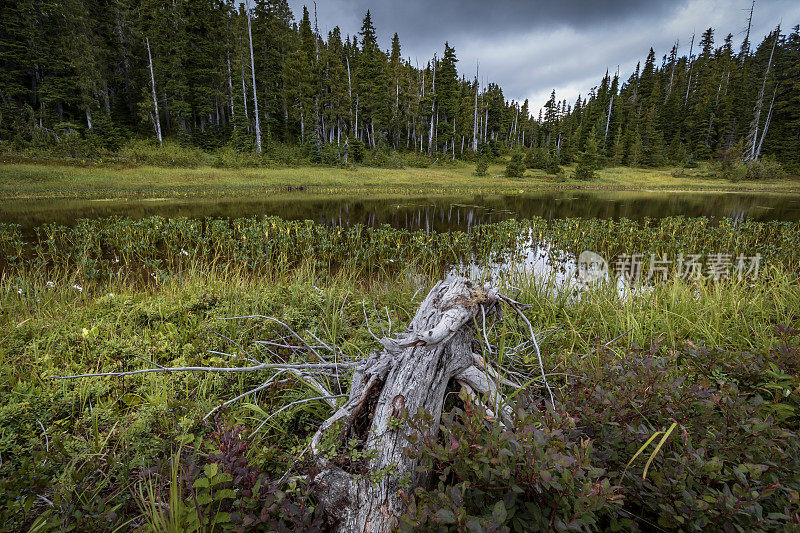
(713, 103)
(210, 73)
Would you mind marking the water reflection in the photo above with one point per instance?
(550, 271)
(427, 214)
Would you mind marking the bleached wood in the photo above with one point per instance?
(255, 92)
(156, 119)
(409, 375)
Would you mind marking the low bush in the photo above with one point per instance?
(482, 167)
(516, 165)
(168, 154)
(537, 158)
(227, 157)
(689, 440)
(761, 169)
(288, 154)
(522, 478)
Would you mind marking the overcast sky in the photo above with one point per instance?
(532, 47)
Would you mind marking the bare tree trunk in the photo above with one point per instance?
(156, 119)
(475, 118)
(230, 86)
(608, 119)
(746, 43)
(409, 376)
(350, 92)
(766, 124)
(691, 66)
(754, 126)
(674, 61)
(433, 105)
(244, 98)
(255, 92)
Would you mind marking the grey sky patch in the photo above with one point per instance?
(530, 48)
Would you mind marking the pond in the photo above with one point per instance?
(434, 213)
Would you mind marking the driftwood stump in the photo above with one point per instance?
(409, 375)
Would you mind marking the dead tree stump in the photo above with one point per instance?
(409, 375)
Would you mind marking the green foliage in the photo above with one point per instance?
(170, 154)
(101, 249)
(481, 167)
(103, 451)
(227, 157)
(520, 478)
(720, 456)
(357, 151)
(516, 165)
(729, 460)
(587, 161)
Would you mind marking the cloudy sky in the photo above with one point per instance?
(531, 47)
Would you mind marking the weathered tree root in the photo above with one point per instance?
(409, 375)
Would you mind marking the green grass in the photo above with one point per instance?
(35, 180)
(97, 448)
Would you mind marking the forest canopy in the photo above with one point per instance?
(209, 74)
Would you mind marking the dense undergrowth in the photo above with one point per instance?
(75, 149)
(677, 407)
(121, 248)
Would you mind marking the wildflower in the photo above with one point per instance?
(184, 252)
(111, 294)
(51, 284)
(19, 291)
(77, 288)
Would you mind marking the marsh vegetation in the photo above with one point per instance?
(705, 370)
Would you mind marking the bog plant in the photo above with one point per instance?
(95, 250)
(677, 406)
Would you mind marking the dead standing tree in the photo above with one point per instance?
(411, 374)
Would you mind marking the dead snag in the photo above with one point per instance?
(409, 375)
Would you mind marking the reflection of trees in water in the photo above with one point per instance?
(428, 214)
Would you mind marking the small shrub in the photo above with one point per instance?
(356, 151)
(516, 166)
(382, 158)
(170, 154)
(329, 155)
(584, 171)
(521, 478)
(764, 169)
(690, 161)
(228, 157)
(482, 167)
(288, 154)
(552, 167)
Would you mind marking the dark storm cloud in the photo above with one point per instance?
(530, 48)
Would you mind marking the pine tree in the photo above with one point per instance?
(588, 159)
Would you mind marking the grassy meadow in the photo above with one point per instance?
(707, 371)
(95, 181)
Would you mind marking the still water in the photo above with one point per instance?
(426, 213)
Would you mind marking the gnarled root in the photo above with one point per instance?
(409, 375)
